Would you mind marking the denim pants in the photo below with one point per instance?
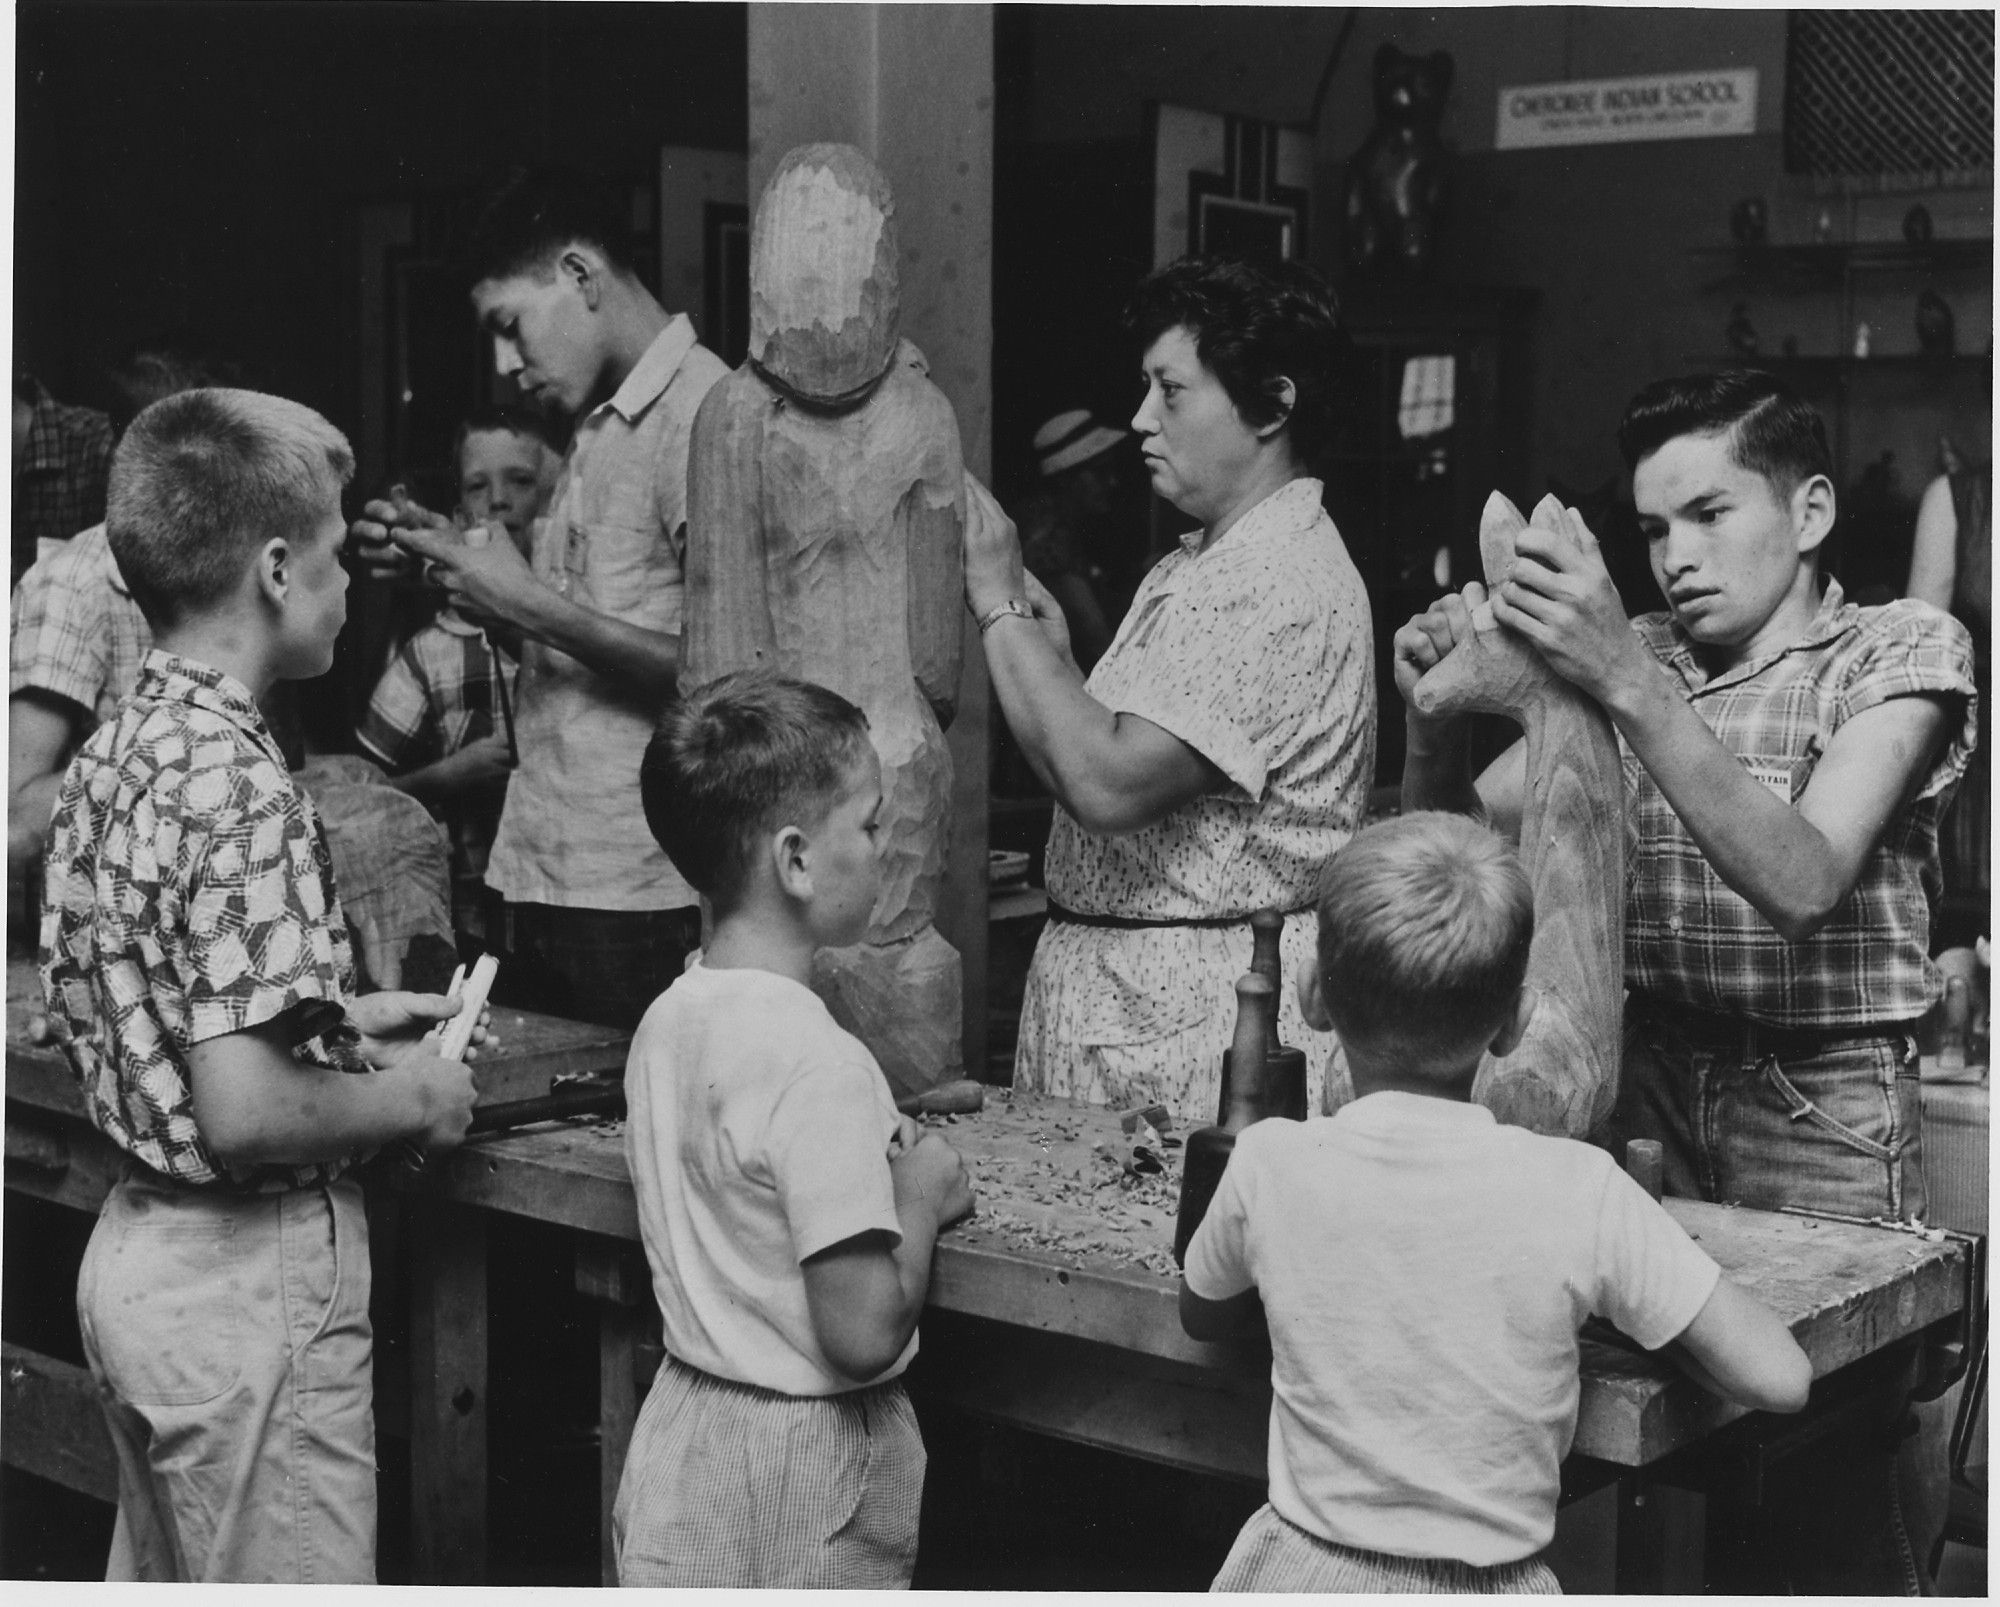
(1751, 1115)
(229, 1339)
(601, 966)
(1762, 1117)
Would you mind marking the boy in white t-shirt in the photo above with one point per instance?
(787, 1211)
(1424, 1270)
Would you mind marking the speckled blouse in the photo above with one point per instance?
(1257, 653)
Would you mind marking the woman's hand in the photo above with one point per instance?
(994, 573)
(393, 1025)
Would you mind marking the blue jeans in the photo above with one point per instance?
(1768, 1117)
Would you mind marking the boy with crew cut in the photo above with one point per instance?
(1423, 1269)
(1788, 758)
(199, 978)
(787, 1211)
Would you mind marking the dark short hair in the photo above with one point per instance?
(1425, 922)
(1252, 327)
(503, 421)
(1772, 432)
(202, 479)
(740, 757)
(532, 214)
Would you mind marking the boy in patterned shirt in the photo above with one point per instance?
(198, 975)
(439, 720)
(1788, 757)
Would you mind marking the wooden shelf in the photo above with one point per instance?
(1889, 362)
(1828, 263)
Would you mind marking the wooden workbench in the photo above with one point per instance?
(1064, 1277)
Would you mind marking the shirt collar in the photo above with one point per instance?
(112, 572)
(169, 678)
(1295, 504)
(450, 620)
(654, 370)
(1834, 617)
(1391, 1110)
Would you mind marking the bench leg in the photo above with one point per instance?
(446, 1249)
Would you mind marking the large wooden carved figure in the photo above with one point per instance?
(1564, 1076)
(825, 506)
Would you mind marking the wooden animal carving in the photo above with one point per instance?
(1564, 1076)
(826, 502)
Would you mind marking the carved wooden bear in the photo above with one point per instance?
(826, 502)
(1395, 181)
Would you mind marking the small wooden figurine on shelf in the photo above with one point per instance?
(1740, 332)
(1937, 330)
(1749, 221)
(1395, 180)
(825, 506)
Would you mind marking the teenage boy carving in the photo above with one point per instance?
(1787, 758)
(595, 920)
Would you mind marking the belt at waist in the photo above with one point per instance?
(1058, 916)
(1759, 1038)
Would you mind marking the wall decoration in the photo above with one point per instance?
(1228, 184)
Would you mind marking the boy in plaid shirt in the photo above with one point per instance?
(1788, 757)
(199, 978)
(439, 718)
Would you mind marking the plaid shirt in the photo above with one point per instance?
(78, 635)
(189, 895)
(59, 485)
(1688, 937)
(438, 694)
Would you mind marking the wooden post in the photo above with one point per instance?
(446, 1249)
(1564, 1076)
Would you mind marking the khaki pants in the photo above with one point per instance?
(230, 1343)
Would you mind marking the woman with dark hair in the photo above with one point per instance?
(1223, 747)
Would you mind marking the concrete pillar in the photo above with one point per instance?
(912, 87)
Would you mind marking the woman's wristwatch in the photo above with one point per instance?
(1013, 605)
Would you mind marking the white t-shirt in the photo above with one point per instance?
(758, 1135)
(1424, 1271)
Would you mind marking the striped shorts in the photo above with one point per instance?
(728, 1484)
(1273, 1554)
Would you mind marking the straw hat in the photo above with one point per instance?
(1072, 438)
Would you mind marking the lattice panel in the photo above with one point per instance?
(1889, 91)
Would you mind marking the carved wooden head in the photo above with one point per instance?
(824, 298)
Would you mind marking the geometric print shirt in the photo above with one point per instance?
(439, 693)
(188, 895)
(1688, 937)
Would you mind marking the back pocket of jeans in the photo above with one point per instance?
(167, 1314)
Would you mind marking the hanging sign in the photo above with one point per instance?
(1611, 111)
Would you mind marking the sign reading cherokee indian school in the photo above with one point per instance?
(1609, 111)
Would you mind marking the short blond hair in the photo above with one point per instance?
(1425, 922)
(202, 479)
